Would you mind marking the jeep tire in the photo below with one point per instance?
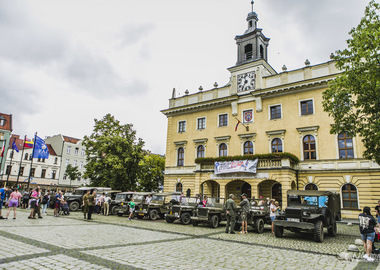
(139, 216)
(214, 221)
(74, 206)
(333, 229)
(278, 231)
(185, 219)
(169, 219)
(119, 214)
(153, 214)
(318, 231)
(259, 225)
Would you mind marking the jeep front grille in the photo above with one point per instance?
(175, 208)
(293, 212)
(202, 212)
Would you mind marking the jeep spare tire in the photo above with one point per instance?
(318, 231)
(74, 206)
(153, 214)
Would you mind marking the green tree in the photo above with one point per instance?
(353, 99)
(113, 154)
(72, 172)
(151, 175)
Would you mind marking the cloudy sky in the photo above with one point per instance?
(64, 63)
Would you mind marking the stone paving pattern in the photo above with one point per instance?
(112, 242)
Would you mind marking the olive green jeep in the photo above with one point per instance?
(258, 216)
(310, 211)
(138, 198)
(158, 206)
(212, 214)
(182, 211)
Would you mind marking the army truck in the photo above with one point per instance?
(182, 211)
(310, 211)
(120, 204)
(158, 206)
(258, 216)
(212, 214)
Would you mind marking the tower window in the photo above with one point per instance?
(261, 51)
(248, 51)
(250, 23)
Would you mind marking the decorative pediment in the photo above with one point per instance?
(222, 138)
(248, 136)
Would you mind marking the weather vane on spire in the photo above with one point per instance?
(252, 2)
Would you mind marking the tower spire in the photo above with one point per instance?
(252, 2)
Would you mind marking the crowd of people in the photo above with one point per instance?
(92, 203)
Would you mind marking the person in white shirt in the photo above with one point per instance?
(148, 199)
(106, 208)
(273, 213)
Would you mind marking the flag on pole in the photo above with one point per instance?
(28, 143)
(237, 125)
(2, 150)
(14, 146)
(40, 149)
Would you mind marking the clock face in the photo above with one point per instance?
(246, 81)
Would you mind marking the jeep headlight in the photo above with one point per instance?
(122, 204)
(305, 213)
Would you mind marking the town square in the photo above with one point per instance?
(180, 135)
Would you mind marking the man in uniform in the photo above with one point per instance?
(230, 213)
(85, 203)
(91, 204)
(244, 204)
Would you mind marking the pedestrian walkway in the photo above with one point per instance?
(112, 242)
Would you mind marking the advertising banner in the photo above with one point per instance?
(235, 166)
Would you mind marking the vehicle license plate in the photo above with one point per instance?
(293, 219)
(141, 214)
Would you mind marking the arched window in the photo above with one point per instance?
(248, 148)
(276, 145)
(346, 149)
(180, 157)
(311, 186)
(222, 150)
(200, 151)
(309, 148)
(2, 121)
(350, 196)
(178, 187)
(248, 51)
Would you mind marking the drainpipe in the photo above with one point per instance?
(297, 179)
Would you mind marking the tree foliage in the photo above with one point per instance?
(113, 154)
(151, 175)
(72, 172)
(353, 99)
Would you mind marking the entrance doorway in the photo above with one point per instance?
(277, 192)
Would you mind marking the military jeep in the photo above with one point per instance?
(182, 211)
(121, 203)
(258, 216)
(212, 214)
(158, 207)
(310, 211)
(138, 198)
(75, 199)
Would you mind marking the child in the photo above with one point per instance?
(132, 206)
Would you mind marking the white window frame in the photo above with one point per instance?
(269, 114)
(299, 106)
(242, 147)
(196, 150)
(282, 143)
(316, 147)
(341, 196)
(253, 116)
(68, 150)
(197, 127)
(337, 147)
(178, 125)
(176, 152)
(219, 149)
(227, 119)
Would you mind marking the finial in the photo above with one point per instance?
(307, 62)
(186, 92)
(173, 93)
(284, 68)
(252, 2)
(200, 88)
(215, 84)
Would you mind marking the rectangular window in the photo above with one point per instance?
(75, 163)
(81, 165)
(181, 126)
(32, 171)
(275, 112)
(248, 116)
(54, 173)
(21, 172)
(26, 156)
(76, 150)
(307, 107)
(201, 123)
(67, 162)
(64, 176)
(56, 161)
(8, 171)
(11, 154)
(223, 120)
(68, 149)
(39, 160)
(83, 152)
(43, 173)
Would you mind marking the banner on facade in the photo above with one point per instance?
(235, 166)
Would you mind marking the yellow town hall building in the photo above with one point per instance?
(279, 112)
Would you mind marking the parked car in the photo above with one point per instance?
(182, 211)
(158, 207)
(212, 214)
(310, 211)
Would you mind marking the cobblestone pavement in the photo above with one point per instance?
(112, 242)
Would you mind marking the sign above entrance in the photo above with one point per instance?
(248, 166)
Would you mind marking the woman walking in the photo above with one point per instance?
(14, 201)
(367, 225)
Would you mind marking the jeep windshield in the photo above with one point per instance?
(120, 197)
(138, 198)
(212, 202)
(188, 201)
(300, 200)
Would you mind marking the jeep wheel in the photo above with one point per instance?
(153, 214)
(169, 219)
(214, 221)
(120, 214)
(140, 217)
(278, 231)
(114, 210)
(259, 225)
(333, 229)
(185, 219)
(318, 231)
(74, 206)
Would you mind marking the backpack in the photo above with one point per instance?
(45, 199)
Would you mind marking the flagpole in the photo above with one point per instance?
(22, 155)
(31, 164)
(13, 152)
(246, 127)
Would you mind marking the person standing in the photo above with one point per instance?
(231, 214)
(107, 201)
(91, 204)
(244, 204)
(14, 202)
(57, 205)
(132, 206)
(367, 225)
(33, 203)
(2, 198)
(45, 202)
(85, 203)
(273, 213)
(38, 203)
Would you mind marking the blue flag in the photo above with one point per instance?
(40, 149)
(14, 146)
